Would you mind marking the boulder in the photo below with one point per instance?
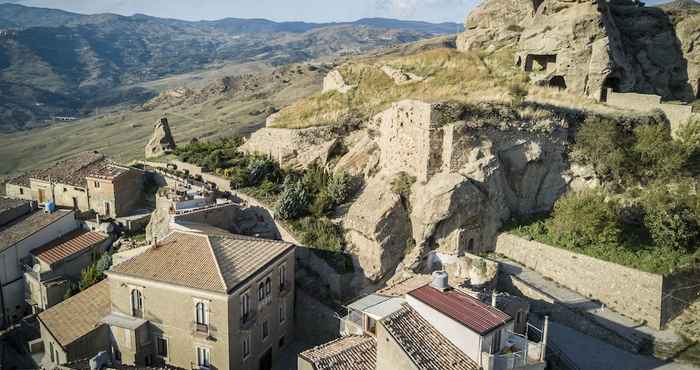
(334, 81)
(162, 141)
(400, 77)
(378, 228)
(297, 148)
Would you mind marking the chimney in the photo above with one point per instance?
(440, 281)
(494, 297)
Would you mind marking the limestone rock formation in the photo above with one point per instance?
(400, 77)
(589, 46)
(378, 228)
(162, 141)
(334, 81)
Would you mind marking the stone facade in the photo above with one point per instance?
(640, 295)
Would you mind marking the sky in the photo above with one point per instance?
(277, 10)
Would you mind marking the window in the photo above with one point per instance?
(107, 209)
(246, 347)
(51, 351)
(162, 347)
(265, 330)
(283, 312)
(496, 343)
(245, 306)
(136, 303)
(203, 357)
(65, 190)
(268, 286)
(281, 342)
(283, 276)
(21, 192)
(201, 313)
(117, 355)
(97, 184)
(261, 291)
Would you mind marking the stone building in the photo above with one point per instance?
(52, 267)
(17, 239)
(88, 181)
(433, 326)
(195, 300)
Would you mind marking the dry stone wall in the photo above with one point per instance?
(677, 114)
(653, 298)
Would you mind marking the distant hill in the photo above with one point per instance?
(54, 62)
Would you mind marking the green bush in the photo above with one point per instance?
(103, 264)
(293, 202)
(659, 155)
(260, 169)
(320, 233)
(673, 228)
(322, 204)
(339, 188)
(602, 143)
(89, 277)
(582, 219)
(401, 185)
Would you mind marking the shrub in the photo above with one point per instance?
(659, 155)
(293, 202)
(322, 204)
(239, 176)
(315, 178)
(320, 233)
(518, 92)
(339, 188)
(601, 143)
(582, 219)
(103, 264)
(89, 277)
(673, 228)
(401, 185)
(259, 170)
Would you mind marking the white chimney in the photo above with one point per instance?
(494, 297)
(440, 281)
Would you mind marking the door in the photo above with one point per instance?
(75, 203)
(42, 196)
(266, 360)
(107, 209)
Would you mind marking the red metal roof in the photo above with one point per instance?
(68, 245)
(462, 308)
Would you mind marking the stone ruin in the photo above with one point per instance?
(161, 141)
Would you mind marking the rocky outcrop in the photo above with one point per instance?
(400, 77)
(334, 81)
(162, 141)
(378, 228)
(588, 46)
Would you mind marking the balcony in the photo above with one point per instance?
(203, 330)
(518, 352)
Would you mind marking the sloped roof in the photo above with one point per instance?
(77, 316)
(423, 344)
(69, 245)
(25, 227)
(217, 262)
(347, 353)
(466, 310)
(74, 170)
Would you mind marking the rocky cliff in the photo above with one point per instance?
(588, 46)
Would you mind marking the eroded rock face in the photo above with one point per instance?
(378, 228)
(400, 77)
(162, 141)
(334, 81)
(587, 46)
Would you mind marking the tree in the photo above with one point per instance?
(659, 155)
(88, 277)
(583, 219)
(339, 188)
(601, 143)
(672, 228)
(260, 169)
(293, 202)
(103, 264)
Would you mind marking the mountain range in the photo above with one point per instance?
(57, 63)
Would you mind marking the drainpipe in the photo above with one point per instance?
(545, 334)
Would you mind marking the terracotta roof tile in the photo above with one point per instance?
(347, 353)
(71, 171)
(79, 315)
(68, 245)
(211, 261)
(423, 344)
(467, 310)
(25, 227)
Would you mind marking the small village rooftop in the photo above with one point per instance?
(69, 245)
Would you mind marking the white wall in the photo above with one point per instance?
(11, 274)
(466, 340)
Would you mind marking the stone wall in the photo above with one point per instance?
(677, 114)
(294, 147)
(653, 298)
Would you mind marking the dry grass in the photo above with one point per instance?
(450, 75)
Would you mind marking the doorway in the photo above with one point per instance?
(266, 360)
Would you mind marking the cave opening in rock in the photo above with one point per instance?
(558, 82)
(536, 5)
(612, 83)
(540, 62)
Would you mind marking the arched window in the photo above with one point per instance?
(201, 309)
(136, 303)
(245, 306)
(261, 291)
(283, 276)
(268, 287)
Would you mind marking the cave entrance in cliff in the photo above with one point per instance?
(536, 5)
(557, 82)
(697, 89)
(540, 62)
(610, 84)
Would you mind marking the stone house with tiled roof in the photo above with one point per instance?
(88, 181)
(197, 299)
(432, 326)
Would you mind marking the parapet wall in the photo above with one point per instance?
(677, 114)
(654, 298)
